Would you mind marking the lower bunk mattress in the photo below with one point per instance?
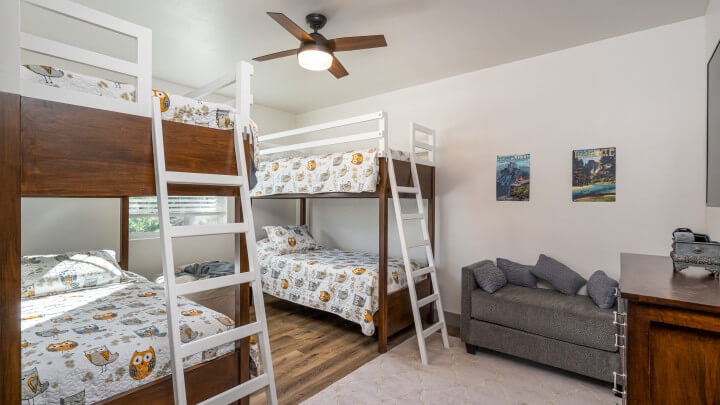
(341, 282)
(92, 344)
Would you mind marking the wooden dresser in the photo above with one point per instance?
(673, 332)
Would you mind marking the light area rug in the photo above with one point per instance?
(456, 377)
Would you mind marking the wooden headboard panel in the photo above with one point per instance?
(71, 151)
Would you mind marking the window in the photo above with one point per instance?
(144, 221)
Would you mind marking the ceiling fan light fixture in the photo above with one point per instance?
(314, 57)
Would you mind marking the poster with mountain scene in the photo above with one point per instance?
(512, 178)
(593, 175)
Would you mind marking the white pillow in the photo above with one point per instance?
(54, 274)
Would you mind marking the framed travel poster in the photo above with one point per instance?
(593, 175)
(512, 179)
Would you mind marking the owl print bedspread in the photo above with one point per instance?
(173, 107)
(342, 282)
(349, 172)
(87, 345)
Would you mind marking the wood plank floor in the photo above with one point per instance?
(312, 349)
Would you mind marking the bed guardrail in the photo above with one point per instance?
(379, 134)
(241, 78)
(141, 70)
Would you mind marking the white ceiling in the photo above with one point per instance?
(195, 41)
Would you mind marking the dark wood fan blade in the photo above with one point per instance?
(276, 55)
(337, 69)
(290, 26)
(354, 43)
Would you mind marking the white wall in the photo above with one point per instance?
(642, 93)
(54, 225)
(712, 21)
(61, 224)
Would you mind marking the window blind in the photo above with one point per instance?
(179, 206)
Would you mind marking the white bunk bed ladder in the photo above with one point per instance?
(178, 349)
(421, 217)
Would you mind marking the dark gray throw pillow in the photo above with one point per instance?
(560, 276)
(516, 273)
(488, 276)
(601, 289)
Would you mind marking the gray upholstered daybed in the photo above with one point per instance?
(539, 324)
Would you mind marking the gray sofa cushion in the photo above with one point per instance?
(516, 273)
(601, 289)
(560, 276)
(488, 276)
(545, 312)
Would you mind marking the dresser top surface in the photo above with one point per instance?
(650, 279)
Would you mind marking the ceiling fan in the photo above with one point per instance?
(315, 51)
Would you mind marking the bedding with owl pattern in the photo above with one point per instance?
(173, 107)
(349, 172)
(342, 282)
(89, 344)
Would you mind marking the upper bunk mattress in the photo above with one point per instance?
(349, 172)
(91, 344)
(173, 107)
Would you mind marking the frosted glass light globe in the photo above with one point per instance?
(313, 59)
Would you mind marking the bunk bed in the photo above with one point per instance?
(57, 144)
(357, 174)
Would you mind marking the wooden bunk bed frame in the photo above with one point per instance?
(80, 145)
(52, 149)
(387, 321)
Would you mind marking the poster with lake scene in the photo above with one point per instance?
(512, 180)
(593, 175)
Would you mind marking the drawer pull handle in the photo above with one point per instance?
(617, 341)
(620, 318)
(616, 385)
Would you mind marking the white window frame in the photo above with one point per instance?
(189, 217)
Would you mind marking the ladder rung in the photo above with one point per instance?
(434, 328)
(200, 230)
(419, 243)
(203, 178)
(239, 391)
(213, 283)
(423, 145)
(430, 298)
(241, 332)
(411, 217)
(407, 190)
(423, 271)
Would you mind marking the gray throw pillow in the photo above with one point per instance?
(560, 276)
(601, 289)
(516, 273)
(488, 276)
